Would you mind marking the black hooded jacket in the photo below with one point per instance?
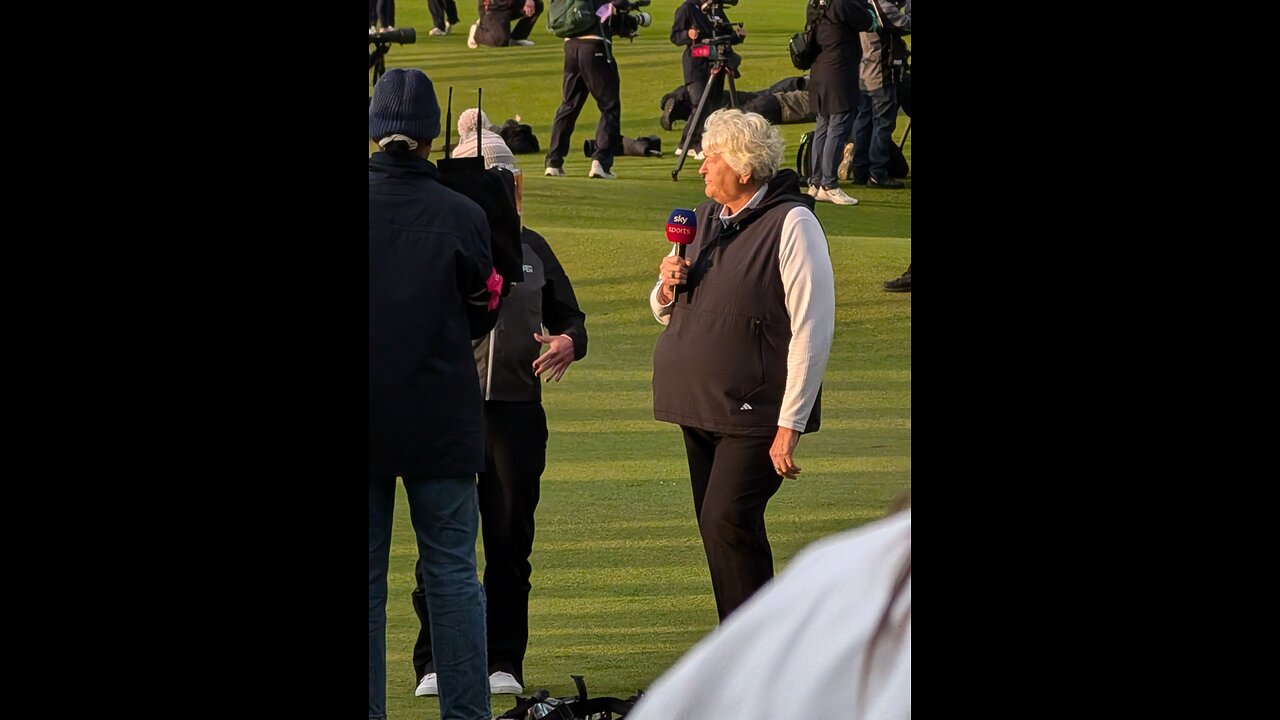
(429, 261)
(504, 358)
(690, 15)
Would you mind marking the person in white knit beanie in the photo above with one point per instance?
(491, 144)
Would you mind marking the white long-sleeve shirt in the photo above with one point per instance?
(808, 283)
(799, 648)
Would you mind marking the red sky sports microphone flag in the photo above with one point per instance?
(681, 227)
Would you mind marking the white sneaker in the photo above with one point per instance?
(812, 191)
(447, 27)
(501, 683)
(471, 36)
(428, 686)
(437, 32)
(696, 154)
(554, 172)
(835, 195)
(598, 171)
(526, 43)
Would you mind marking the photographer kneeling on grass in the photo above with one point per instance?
(493, 27)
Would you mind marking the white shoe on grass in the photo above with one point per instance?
(502, 683)
(598, 171)
(835, 195)
(428, 686)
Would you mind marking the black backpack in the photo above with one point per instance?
(519, 137)
(804, 159)
(804, 46)
(541, 706)
(898, 167)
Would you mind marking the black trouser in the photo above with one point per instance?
(515, 456)
(588, 69)
(382, 12)
(733, 479)
(442, 10)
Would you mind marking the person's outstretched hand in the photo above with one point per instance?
(551, 364)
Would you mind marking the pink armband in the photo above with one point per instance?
(494, 284)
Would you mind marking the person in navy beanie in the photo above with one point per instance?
(432, 290)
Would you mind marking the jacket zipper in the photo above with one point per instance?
(760, 346)
(488, 381)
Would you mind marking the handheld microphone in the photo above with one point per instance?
(682, 225)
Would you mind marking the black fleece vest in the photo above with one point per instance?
(721, 363)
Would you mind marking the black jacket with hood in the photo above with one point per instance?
(504, 358)
(429, 260)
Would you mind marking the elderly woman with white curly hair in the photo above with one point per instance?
(749, 314)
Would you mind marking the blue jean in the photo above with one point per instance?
(873, 132)
(829, 137)
(446, 516)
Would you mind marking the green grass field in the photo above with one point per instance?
(620, 585)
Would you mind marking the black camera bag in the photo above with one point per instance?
(804, 46)
(541, 706)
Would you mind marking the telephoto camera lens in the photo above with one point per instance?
(644, 19)
(404, 36)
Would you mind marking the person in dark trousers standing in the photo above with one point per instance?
(444, 15)
(878, 100)
(509, 368)
(382, 15)
(739, 366)
(833, 84)
(589, 69)
(432, 289)
(692, 23)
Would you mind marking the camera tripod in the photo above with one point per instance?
(715, 86)
(376, 60)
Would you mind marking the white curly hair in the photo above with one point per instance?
(746, 141)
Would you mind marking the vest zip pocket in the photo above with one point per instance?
(758, 328)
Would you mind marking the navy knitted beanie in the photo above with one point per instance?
(404, 102)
